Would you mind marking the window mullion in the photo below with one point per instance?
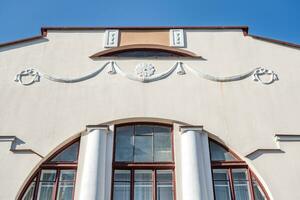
(250, 184)
(132, 185)
(37, 183)
(133, 143)
(55, 189)
(231, 184)
(154, 187)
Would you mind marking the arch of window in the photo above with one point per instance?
(232, 178)
(145, 50)
(55, 178)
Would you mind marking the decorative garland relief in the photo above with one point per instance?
(146, 73)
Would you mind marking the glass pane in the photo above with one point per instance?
(66, 185)
(29, 192)
(241, 187)
(121, 191)
(67, 175)
(143, 185)
(65, 191)
(124, 144)
(122, 175)
(143, 130)
(46, 185)
(45, 190)
(70, 154)
(143, 175)
(122, 185)
(221, 184)
(162, 144)
(258, 193)
(48, 175)
(164, 185)
(164, 175)
(143, 149)
(218, 153)
(144, 53)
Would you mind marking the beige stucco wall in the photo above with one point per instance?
(244, 114)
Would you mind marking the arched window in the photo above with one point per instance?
(145, 50)
(143, 166)
(232, 178)
(55, 178)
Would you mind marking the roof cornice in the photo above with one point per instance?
(245, 30)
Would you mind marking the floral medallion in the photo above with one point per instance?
(144, 70)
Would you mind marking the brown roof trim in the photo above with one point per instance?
(275, 41)
(179, 52)
(21, 40)
(44, 29)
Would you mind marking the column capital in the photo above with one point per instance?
(190, 128)
(90, 128)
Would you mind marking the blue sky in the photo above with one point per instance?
(278, 19)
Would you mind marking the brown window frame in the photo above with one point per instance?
(154, 166)
(51, 165)
(236, 164)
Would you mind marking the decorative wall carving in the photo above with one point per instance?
(111, 38)
(146, 73)
(271, 76)
(177, 38)
(144, 70)
(28, 77)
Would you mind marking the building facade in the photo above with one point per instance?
(149, 113)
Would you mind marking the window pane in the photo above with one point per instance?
(45, 190)
(65, 191)
(66, 185)
(122, 175)
(218, 153)
(143, 148)
(221, 184)
(241, 187)
(143, 185)
(164, 185)
(164, 175)
(67, 175)
(144, 53)
(258, 193)
(124, 144)
(46, 186)
(162, 144)
(122, 185)
(29, 192)
(121, 191)
(70, 154)
(48, 175)
(143, 130)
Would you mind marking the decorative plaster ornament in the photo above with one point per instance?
(177, 38)
(259, 73)
(144, 70)
(111, 38)
(28, 77)
(146, 73)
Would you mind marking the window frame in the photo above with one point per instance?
(51, 165)
(154, 166)
(236, 164)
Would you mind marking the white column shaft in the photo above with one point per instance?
(195, 166)
(92, 177)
